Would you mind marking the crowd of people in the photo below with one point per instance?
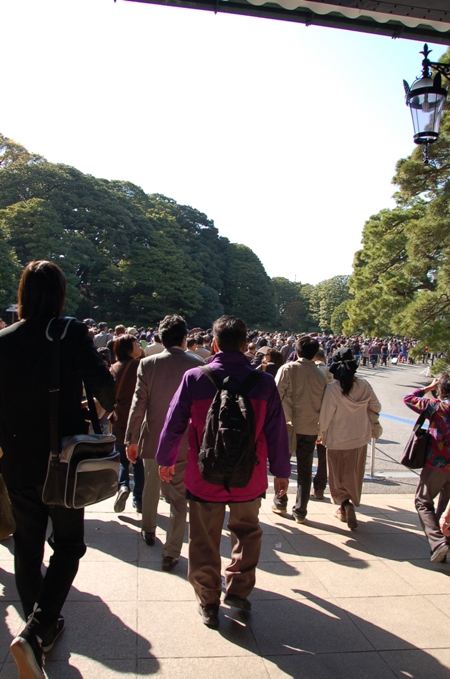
(155, 390)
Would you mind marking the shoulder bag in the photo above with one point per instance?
(415, 453)
(82, 469)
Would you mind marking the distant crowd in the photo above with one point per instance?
(270, 349)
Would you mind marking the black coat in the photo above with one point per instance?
(25, 362)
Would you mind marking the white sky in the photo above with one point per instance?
(286, 136)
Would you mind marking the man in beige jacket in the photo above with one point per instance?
(301, 385)
(158, 379)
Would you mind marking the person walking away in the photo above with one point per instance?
(435, 476)
(158, 378)
(349, 406)
(373, 352)
(102, 338)
(320, 477)
(124, 371)
(207, 500)
(301, 385)
(25, 440)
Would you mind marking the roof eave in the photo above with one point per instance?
(394, 28)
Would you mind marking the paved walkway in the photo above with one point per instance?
(328, 604)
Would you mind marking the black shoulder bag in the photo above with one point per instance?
(415, 453)
(82, 469)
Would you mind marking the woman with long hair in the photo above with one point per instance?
(272, 361)
(25, 377)
(348, 409)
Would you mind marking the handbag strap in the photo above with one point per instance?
(122, 377)
(428, 412)
(55, 332)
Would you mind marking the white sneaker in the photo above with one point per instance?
(121, 499)
(438, 555)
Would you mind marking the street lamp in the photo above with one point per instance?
(426, 98)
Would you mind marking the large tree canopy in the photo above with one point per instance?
(126, 254)
(133, 257)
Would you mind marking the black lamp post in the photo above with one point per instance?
(426, 98)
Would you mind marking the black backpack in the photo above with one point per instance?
(227, 454)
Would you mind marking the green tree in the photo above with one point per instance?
(210, 309)
(326, 297)
(292, 305)
(249, 293)
(126, 254)
(401, 277)
(9, 269)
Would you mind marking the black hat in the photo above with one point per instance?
(343, 363)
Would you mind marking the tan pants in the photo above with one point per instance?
(205, 530)
(178, 505)
(346, 474)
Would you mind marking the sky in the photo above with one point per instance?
(286, 136)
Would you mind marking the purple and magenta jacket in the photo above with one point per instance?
(438, 456)
(190, 405)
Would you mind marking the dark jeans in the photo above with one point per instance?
(124, 473)
(432, 482)
(49, 591)
(305, 451)
(320, 478)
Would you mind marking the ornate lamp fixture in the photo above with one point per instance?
(426, 98)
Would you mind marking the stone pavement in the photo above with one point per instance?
(328, 603)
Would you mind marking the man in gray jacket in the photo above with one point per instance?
(301, 385)
(158, 379)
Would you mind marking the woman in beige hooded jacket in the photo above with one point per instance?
(346, 428)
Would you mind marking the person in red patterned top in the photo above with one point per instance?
(435, 476)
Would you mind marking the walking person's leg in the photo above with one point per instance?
(43, 596)
(124, 480)
(304, 453)
(431, 483)
(320, 478)
(246, 540)
(138, 485)
(204, 566)
(177, 521)
(150, 499)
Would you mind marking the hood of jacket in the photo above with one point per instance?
(358, 398)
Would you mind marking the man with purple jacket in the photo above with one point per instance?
(207, 501)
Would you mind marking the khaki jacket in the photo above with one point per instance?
(158, 378)
(301, 385)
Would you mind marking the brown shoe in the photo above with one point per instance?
(278, 509)
(149, 537)
(350, 516)
(169, 563)
(240, 602)
(210, 615)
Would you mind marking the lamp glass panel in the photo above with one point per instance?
(426, 111)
